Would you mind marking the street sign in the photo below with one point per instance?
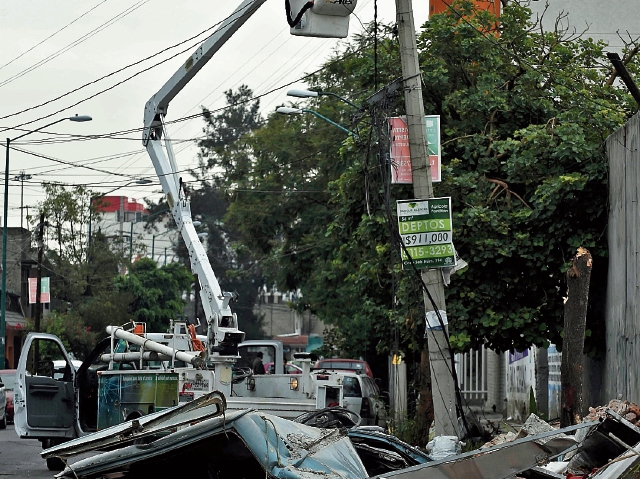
(400, 154)
(426, 230)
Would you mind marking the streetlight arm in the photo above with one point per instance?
(313, 94)
(76, 118)
(339, 98)
(313, 112)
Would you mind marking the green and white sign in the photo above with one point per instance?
(426, 231)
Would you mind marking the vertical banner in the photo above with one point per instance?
(33, 290)
(400, 153)
(45, 292)
(45, 296)
(426, 230)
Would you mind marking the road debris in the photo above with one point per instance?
(251, 444)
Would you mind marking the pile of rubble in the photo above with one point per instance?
(626, 409)
(606, 445)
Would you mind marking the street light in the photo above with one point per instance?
(313, 94)
(299, 111)
(3, 296)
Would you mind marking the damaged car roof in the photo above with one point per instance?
(241, 444)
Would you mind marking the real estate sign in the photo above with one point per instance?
(400, 153)
(426, 230)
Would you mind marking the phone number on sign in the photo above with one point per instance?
(426, 238)
(435, 251)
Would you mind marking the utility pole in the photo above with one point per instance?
(22, 177)
(39, 274)
(436, 359)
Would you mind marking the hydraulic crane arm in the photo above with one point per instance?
(328, 19)
(223, 332)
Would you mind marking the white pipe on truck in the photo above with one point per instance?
(132, 356)
(189, 358)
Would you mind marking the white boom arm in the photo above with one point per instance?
(306, 17)
(223, 332)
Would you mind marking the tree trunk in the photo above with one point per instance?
(575, 316)
(424, 408)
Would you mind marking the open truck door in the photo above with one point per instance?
(44, 398)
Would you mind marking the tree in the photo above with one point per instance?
(524, 115)
(82, 272)
(157, 292)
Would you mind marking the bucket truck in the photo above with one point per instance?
(56, 406)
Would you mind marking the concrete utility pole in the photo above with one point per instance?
(22, 177)
(438, 354)
(38, 314)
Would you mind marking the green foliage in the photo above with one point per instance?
(157, 292)
(67, 212)
(70, 328)
(524, 116)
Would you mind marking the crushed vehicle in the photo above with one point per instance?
(379, 452)
(132, 373)
(199, 437)
(251, 444)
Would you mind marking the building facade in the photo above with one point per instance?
(123, 220)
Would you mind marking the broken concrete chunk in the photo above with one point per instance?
(534, 425)
(499, 439)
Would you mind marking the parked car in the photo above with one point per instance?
(355, 365)
(361, 395)
(3, 407)
(8, 378)
(290, 368)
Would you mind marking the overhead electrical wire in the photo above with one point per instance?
(52, 35)
(76, 137)
(50, 158)
(73, 44)
(113, 73)
(80, 137)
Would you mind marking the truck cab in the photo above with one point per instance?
(117, 382)
(44, 399)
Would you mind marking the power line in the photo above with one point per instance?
(52, 35)
(111, 74)
(73, 44)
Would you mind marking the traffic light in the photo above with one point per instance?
(319, 18)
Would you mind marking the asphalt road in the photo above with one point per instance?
(20, 458)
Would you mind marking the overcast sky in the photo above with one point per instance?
(52, 47)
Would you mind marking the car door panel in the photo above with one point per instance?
(44, 396)
(49, 403)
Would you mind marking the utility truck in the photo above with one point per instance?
(130, 373)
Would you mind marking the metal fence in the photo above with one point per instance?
(471, 368)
